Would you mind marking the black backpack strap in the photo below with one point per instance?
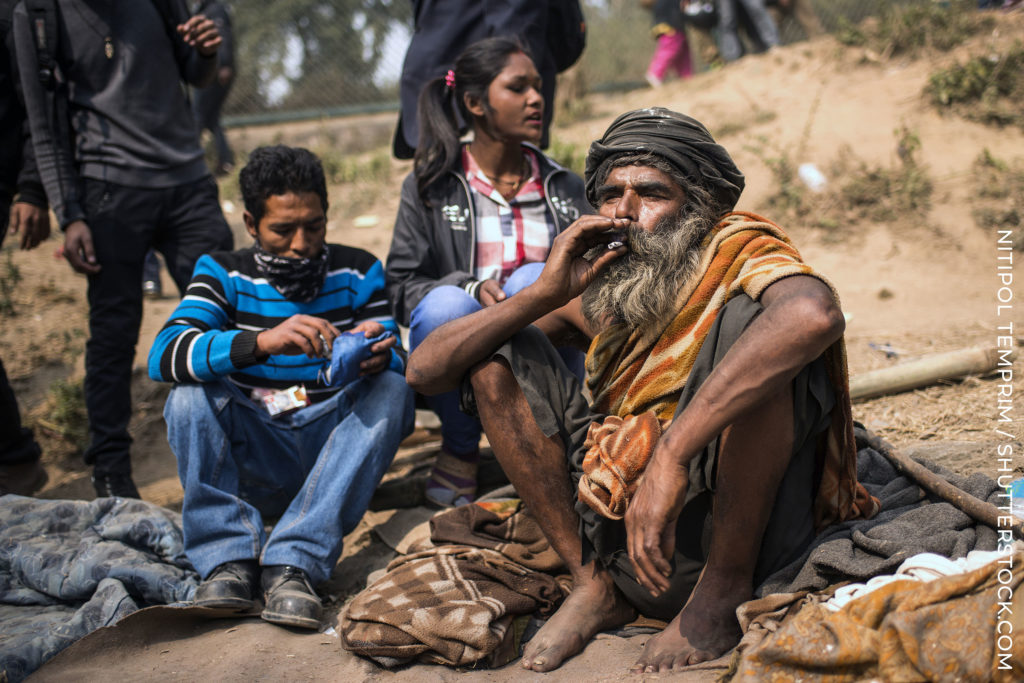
(42, 15)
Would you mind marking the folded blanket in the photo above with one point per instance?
(501, 525)
(631, 372)
(455, 604)
(68, 567)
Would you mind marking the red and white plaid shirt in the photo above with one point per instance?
(509, 232)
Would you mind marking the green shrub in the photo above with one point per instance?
(988, 89)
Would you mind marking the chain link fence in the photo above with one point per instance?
(300, 59)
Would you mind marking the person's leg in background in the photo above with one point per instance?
(671, 52)
(729, 46)
(764, 32)
(122, 220)
(20, 469)
(663, 57)
(452, 480)
(191, 224)
(682, 62)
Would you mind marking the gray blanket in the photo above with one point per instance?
(908, 523)
(70, 567)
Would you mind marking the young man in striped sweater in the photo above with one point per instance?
(253, 323)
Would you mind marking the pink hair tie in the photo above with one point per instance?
(449, 79)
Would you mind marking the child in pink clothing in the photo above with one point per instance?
(672, 50)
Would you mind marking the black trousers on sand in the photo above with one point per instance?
(556, 400)
(182, 223)
(17, 444)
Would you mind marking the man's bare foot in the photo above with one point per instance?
(704, 629)
(594, 605)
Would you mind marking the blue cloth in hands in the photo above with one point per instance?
(349, 350)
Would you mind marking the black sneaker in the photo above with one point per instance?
(289, 597)
(229, 586)
(114, 485)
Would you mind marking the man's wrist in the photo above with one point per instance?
(472, 287)
(245, 349)
(30, 193)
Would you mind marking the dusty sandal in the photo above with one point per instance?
(452, 480)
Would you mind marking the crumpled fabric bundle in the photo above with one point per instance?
(348, 351)
(455, 604)
(617, 452)
(68, 567)
(942, 630)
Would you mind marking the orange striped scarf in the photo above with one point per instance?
(630, 372)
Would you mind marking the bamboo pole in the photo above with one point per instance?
(977, 509)
(927, 370)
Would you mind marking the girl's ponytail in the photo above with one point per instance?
(438, 146)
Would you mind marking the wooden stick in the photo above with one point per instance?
(977, 509)
(927, 370)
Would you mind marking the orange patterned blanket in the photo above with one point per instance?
(630, 373)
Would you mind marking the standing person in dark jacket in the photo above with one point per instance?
(128, 176)
(444, 28)
(20, 469)
(207, 102)
(476, 221)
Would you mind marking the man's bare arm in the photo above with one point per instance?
(438, 364)
(799, 322)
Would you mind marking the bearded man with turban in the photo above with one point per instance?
(713, 436)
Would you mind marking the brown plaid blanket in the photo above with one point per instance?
(455, 603)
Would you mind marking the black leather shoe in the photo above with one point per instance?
(114, 485)
(290, 599)
(229, 586)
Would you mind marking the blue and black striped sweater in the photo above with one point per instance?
(212, 332)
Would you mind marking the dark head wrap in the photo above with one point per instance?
(680, 140)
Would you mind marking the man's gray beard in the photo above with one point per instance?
(640, 288)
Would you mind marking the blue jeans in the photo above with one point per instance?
(460, 433)
(316, 469)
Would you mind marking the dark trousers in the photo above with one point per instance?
(206, 104)
(182, 223)
(17, 445)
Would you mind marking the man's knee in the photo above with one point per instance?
(492, 381)
(392, 394)
(440, 305)
(522, 277)
(183, 402)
